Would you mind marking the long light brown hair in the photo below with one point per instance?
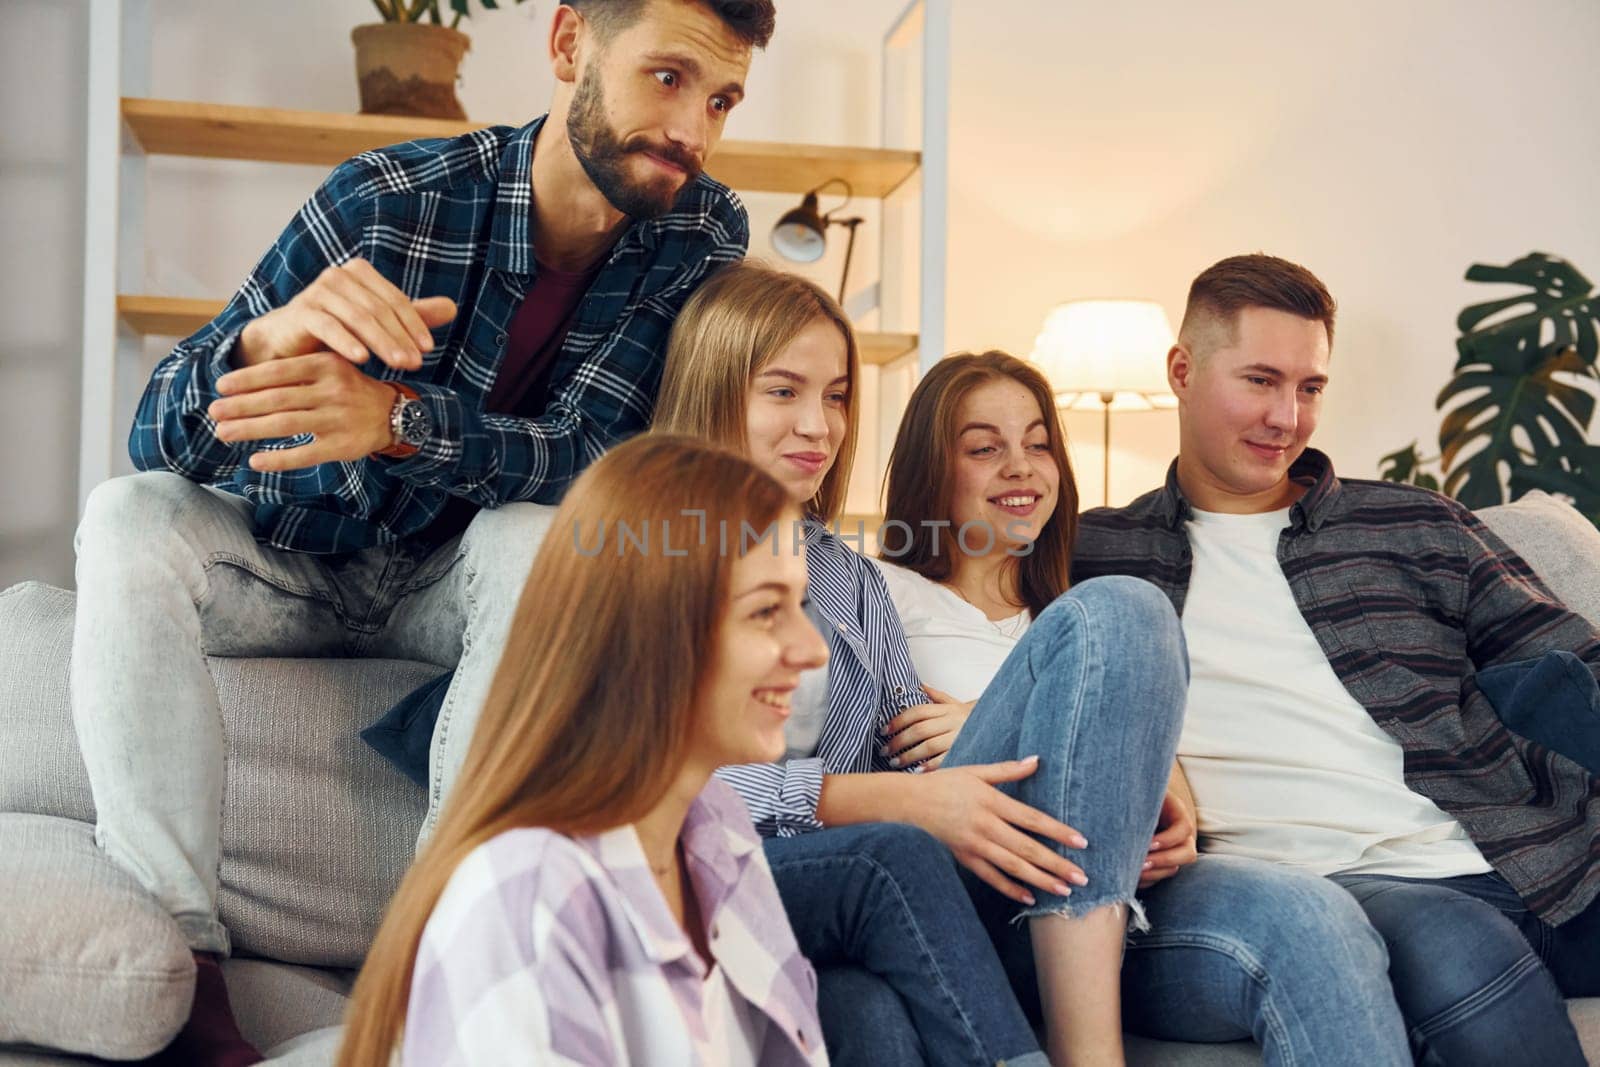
(732, 326)
(922, 480)
(590, 714)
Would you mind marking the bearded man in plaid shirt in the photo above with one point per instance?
(351, 458)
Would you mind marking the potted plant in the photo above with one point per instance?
(1519, 407)
(408, 63)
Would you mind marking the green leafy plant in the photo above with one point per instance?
(401, 11)
(1516, 410)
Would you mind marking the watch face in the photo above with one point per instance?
(415, 423)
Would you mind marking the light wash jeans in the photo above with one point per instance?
(1096, 689)
(169, 573)
(1241, 948)
(920, 961)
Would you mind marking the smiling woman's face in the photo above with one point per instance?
(1004, 473)
(764, 643)
(797, 408)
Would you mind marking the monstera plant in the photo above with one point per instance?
(1518, 408)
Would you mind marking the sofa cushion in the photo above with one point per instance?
(1560, 545)
(1586, 1017)
(292, 1014)
(317, 828)
(89, 962)
(277, 1005)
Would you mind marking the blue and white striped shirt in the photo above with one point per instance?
(445, 218)
(871, 679)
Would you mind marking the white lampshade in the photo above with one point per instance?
(1089, 349)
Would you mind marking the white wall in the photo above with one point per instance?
(1096, 150)
(1117, 150)
(43, 79)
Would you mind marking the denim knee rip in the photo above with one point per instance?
(1138, 923)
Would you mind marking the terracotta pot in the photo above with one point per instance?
(408, 68)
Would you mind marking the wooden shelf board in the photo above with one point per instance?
(228, 131)
(166, 316)
(878, 349)
(170, 316)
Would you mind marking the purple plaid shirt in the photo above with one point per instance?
(551, 949)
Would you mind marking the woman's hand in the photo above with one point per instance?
(927, 731)
(1174, 845)
(989, 832)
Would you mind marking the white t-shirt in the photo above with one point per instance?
(1285, 765)
(734, 1033)
(954, 646)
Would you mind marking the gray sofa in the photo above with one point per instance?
(317, 832)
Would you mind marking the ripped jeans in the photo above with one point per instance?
(1096, 689)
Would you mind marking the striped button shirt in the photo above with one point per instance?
(870, 680)
(548, 949)
(1409, 594)
(445, 218)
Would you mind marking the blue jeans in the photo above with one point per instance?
(905, 972)
(1363, 969)
(1096, 690)
(1240, 948)
(1480, 978)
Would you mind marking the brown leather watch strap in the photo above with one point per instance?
(398, 449)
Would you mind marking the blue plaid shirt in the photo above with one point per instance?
(445, 218)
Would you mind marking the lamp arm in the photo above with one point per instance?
(849, 250)
(849, 194)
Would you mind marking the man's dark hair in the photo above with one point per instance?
(1256, 281)
(752, 21)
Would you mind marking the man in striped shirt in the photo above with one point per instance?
(1337, 738)
(350, 459)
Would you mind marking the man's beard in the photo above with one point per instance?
(604, 157)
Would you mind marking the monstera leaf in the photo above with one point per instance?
(1522, 372)
(1575, 475)
(1405, 466)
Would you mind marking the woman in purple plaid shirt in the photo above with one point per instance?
(592, 895)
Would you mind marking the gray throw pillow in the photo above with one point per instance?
(89, 962)
(1560, 545)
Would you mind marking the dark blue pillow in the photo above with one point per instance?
(1552, 700)
(405, 732)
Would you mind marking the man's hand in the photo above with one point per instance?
(350, 309)
(989, 832)
(927, 731)
(321, 394)
(1174, 844)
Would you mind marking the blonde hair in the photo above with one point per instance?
(590, 715)
(732, 326)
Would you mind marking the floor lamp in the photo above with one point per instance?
(1108, 355)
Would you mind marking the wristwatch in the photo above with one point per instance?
(410, 423)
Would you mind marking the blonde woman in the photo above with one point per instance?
(871, 861)
(592, 895)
